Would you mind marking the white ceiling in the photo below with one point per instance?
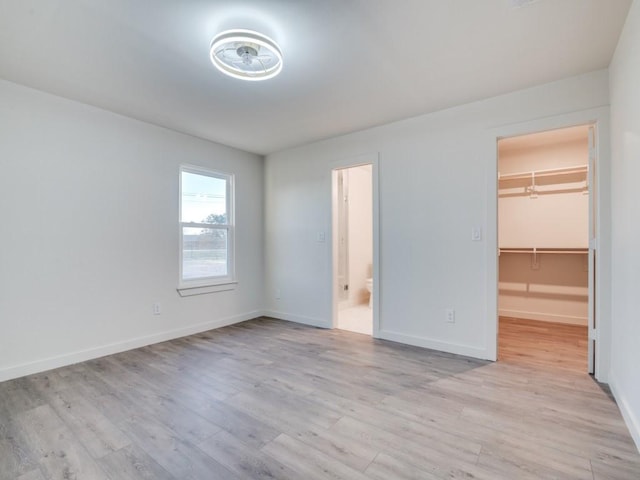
(348, 64)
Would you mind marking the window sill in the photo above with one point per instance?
(205, 289)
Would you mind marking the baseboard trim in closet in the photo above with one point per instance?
(544, 317)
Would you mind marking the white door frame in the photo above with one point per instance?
(372, 159)
(599, 117)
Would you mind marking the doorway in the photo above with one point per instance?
(353, 248)
(545, 264)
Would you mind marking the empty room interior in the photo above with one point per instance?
(267, 239)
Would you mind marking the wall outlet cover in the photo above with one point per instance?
(450, 314)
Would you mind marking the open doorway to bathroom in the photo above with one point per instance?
(353, 247)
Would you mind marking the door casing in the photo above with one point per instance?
(600, 304)
(365, 159)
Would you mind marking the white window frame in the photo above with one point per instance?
(217, 283)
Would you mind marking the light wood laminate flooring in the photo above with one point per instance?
(268, 399)
(546, 344)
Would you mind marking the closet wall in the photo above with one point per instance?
(543, 204)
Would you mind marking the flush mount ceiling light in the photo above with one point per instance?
(246, 55)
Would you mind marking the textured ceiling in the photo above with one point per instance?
(348, 64)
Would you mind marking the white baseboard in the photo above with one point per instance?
(314, 322)
(58, 361)
(630, 418)
(439, 345)
(544, 317)
(393, 336)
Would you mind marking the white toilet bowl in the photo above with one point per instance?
(369, 284)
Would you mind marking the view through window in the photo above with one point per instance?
(206, 226)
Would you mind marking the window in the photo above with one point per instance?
(206, 228)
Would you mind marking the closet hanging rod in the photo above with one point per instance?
(569, 251)
(548, 171)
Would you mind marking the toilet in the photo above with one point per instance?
(369, 284)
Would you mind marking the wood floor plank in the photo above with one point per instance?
(180, 458)
(423, 453)
(98, 434)
(246, 462)
(32, 475)
(52, 442)
(543, 343)
(405, 423)
(620, 470)
(354, 454)
(132, 463)
(18, 396)
(244, 426)
(16, 458)
(539, 460)
(384, 467)
(311, 463)
(169, 411)
(267, 399)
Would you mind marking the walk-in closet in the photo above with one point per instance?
(543, 238)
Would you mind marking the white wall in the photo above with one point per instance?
(89, 208)
(360, 232)
(435, 176)
(625, 172)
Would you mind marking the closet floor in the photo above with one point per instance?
(538, 343)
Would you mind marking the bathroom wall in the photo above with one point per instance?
(360, 232)
(555, 287)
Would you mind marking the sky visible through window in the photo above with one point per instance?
(204, 250)
(202, 196)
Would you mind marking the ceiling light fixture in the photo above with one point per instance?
(246, 55)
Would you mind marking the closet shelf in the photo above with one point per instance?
(534, 250)
(532, 180)
(545, 173)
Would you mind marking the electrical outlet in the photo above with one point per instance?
(476, 234)
(277, 293)
(320, 237)
(520, 3)
(450, 315)
(157, 309)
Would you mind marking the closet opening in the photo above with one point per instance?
(546, 277)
